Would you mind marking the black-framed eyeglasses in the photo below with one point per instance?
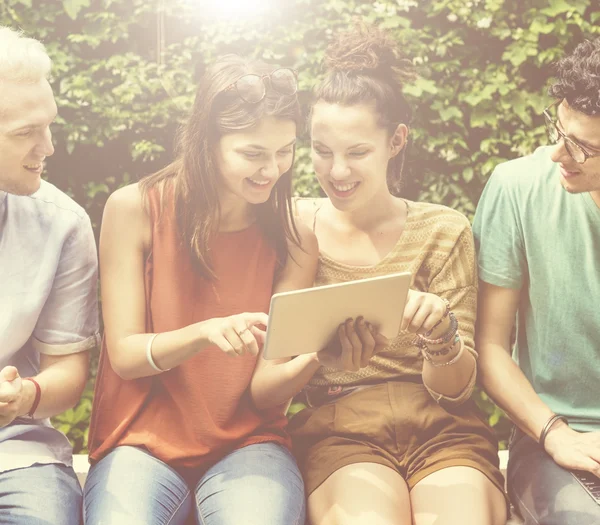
(253, 88)
(578, 153)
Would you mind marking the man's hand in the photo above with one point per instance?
(11, 395)
(574, 450)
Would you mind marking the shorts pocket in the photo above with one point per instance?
(366, 416)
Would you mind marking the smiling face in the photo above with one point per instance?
(585, 131)
(351, 151)
(26, 112)
(251, 162)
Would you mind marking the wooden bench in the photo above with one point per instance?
(81, 466)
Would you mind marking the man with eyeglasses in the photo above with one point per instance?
(537, 229)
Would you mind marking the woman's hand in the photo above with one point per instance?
(422, 312)
(238, 334)
(356, 343)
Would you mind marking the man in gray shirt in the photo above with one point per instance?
(48, 298)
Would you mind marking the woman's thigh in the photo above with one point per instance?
(457, 496)
(254, 485)
(132, 487)
(40, 495)
(361, 494)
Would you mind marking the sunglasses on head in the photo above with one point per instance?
(253, 88)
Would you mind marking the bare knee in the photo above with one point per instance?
(458, 496)
(361, 494)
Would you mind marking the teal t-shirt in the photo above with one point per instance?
(534, 236)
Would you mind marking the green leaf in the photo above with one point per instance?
(494, 418)
(295, 408)
(420, 86)
(557, 7)
(94, 189)
(73, 7)
(451, 112)
(483, 117)
(394, 22)
(516, 55)
(541, 26)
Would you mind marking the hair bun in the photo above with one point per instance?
(366, 49)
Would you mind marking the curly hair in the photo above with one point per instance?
(578, 78)
(364, 65)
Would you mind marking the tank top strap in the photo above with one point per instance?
(316, 211)
(311, 216)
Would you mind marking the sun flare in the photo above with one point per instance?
(235, 8)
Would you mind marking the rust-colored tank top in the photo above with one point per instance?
(198, 412)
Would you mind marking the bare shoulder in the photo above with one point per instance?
(305, 209)
(126, 206)
(126, 201)
(308, 241)
(301, 265)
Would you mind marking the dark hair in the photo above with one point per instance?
(193, 177)
(578, 78)
(364, 65)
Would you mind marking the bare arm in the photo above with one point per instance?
(499, 374)
(509, 388)
(457, 283)
(122, 255)
(61, 379)
(450, 381)
(275, 382)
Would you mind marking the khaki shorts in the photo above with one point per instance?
(397, 424)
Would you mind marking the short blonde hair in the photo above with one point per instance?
(22, 59)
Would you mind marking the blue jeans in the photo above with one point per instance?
(255, 485)
(544, 493)
(40, 495)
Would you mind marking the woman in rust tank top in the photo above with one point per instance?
(190, 257)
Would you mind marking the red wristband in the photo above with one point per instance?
(38, 395)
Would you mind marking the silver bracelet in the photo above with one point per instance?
(445, 363)
(149, 357)
(549, 424)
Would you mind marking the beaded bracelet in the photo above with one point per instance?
(446, 337)
(428, 354)
(448, 363)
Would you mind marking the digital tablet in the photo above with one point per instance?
(304, 321)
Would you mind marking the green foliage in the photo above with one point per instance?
(124, 77)
(495, 417)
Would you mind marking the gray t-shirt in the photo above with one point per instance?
(48, 304)
(534, 236)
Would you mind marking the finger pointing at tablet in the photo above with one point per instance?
(238, 334)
